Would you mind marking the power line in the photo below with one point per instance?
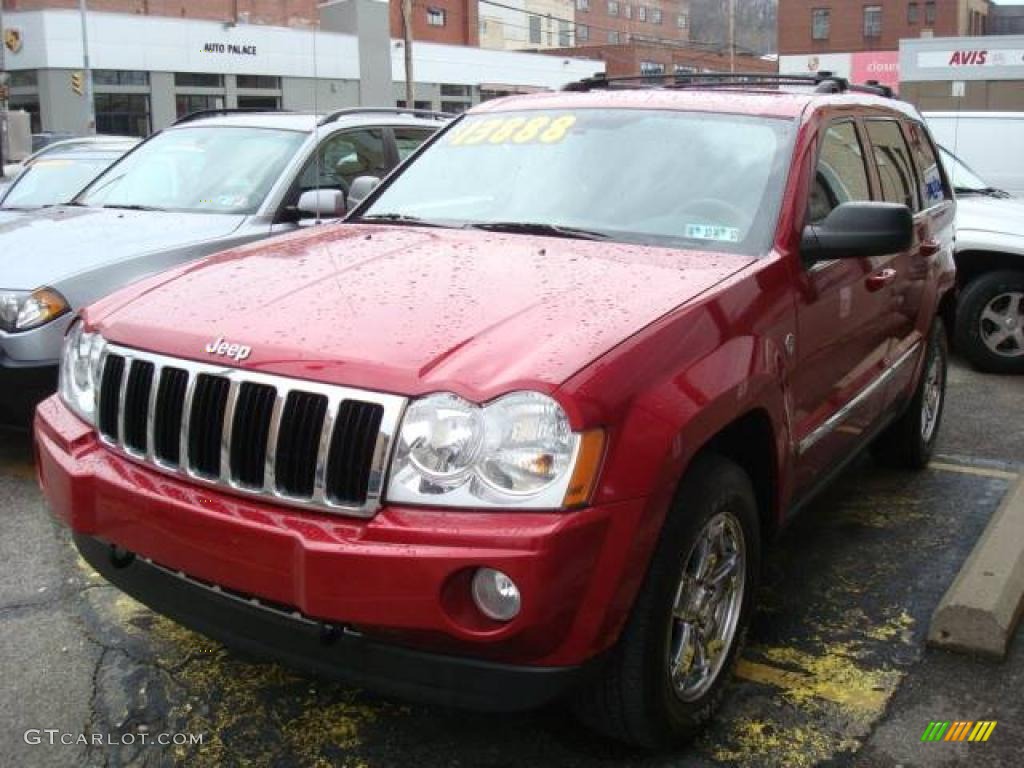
(664, 42)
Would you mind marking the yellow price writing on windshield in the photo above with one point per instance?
(512, 130)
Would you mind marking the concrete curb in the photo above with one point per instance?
(980, 610)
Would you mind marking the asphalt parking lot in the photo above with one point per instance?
(836, 673)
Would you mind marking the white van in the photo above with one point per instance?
(992, 143)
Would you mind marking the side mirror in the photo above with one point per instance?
(322, 202)
(361, 188)
(858, 230)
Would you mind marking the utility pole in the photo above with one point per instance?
(732, 35)
(410, 95)
(90, 107)
(3, 89)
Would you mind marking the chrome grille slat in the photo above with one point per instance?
(307, 435)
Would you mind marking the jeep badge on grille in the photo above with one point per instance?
(237, 352)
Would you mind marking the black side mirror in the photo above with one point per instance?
(858, 230)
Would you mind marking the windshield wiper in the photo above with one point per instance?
(401, 218)
(536, 228)
(133, 207)
(987, 191)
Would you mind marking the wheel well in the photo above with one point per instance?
(970, 264)
(750, 442)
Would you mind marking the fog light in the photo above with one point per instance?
(496, 595)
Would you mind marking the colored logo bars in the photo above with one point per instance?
(958, 730)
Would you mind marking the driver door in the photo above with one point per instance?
(842, 338)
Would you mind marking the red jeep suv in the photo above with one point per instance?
(522, 427)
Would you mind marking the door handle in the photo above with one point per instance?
(880, 279)
(929, 247)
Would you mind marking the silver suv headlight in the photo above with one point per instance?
(25, 310)
(516, 451)
(80, 371)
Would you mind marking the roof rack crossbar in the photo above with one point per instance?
(224, 111)
(427, 113)
(822, 82)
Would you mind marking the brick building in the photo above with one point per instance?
(282, 13)
(861, 39)
(453, 22)
(615, 22)
(636, 58)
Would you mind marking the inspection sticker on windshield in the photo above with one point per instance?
(713, 232)
(542, 129)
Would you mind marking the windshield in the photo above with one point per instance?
(211, 169)
(682, 179)
(54, 179)
(963, 178)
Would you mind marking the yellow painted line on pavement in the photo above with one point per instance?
(1000, 474)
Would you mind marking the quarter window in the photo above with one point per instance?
(933, 188)
(892, 158)
(841, 176)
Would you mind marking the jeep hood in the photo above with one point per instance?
(46, 246)
(413, 310)
(990, 214)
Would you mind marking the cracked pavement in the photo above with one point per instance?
(836, 672)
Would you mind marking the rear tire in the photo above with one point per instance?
(909, 442)
(653, 691)
(988, 333)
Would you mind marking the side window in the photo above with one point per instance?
(345, 156)
(841, 176)
(895, 168)
(408, 140)
(933, 189)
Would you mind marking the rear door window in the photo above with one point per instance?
(840, 176)
(895, 167)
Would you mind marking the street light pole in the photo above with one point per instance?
(90, 107)
(732, 35)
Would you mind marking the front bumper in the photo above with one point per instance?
(399, 581)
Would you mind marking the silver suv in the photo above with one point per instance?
(209, 182)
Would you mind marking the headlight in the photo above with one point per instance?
(517, 451)
(80, 370)
(24, 310)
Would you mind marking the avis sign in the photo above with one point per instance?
(961, 59)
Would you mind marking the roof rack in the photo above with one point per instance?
(427, 113)
(225, 111)
(822, 82)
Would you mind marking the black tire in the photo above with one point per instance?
(968, 339)
(904, 444)
(633, 699)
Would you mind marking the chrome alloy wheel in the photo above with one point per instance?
(707, 606)
(931, 400)
(1002, 324)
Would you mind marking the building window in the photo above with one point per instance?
(258, 82)
(641, 12)
(683, 69)
(582, 5)
(29, 104)
(913, 11)
(119, 77)
(186, 104)
(582, 33)
(627, 11)
(613, 8)
(655, 15)
(613, 37)
(450, 89)
(437, 17)
(198, 80)
(821, 21)
(122, 114)
(23, 78)
(929, 13)
(682, 21)
(651, 68)
(564, 39)
(872, 21)
(270, 103)
(535, 30)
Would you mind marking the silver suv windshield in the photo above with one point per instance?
(657, 177)
(197, 169)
